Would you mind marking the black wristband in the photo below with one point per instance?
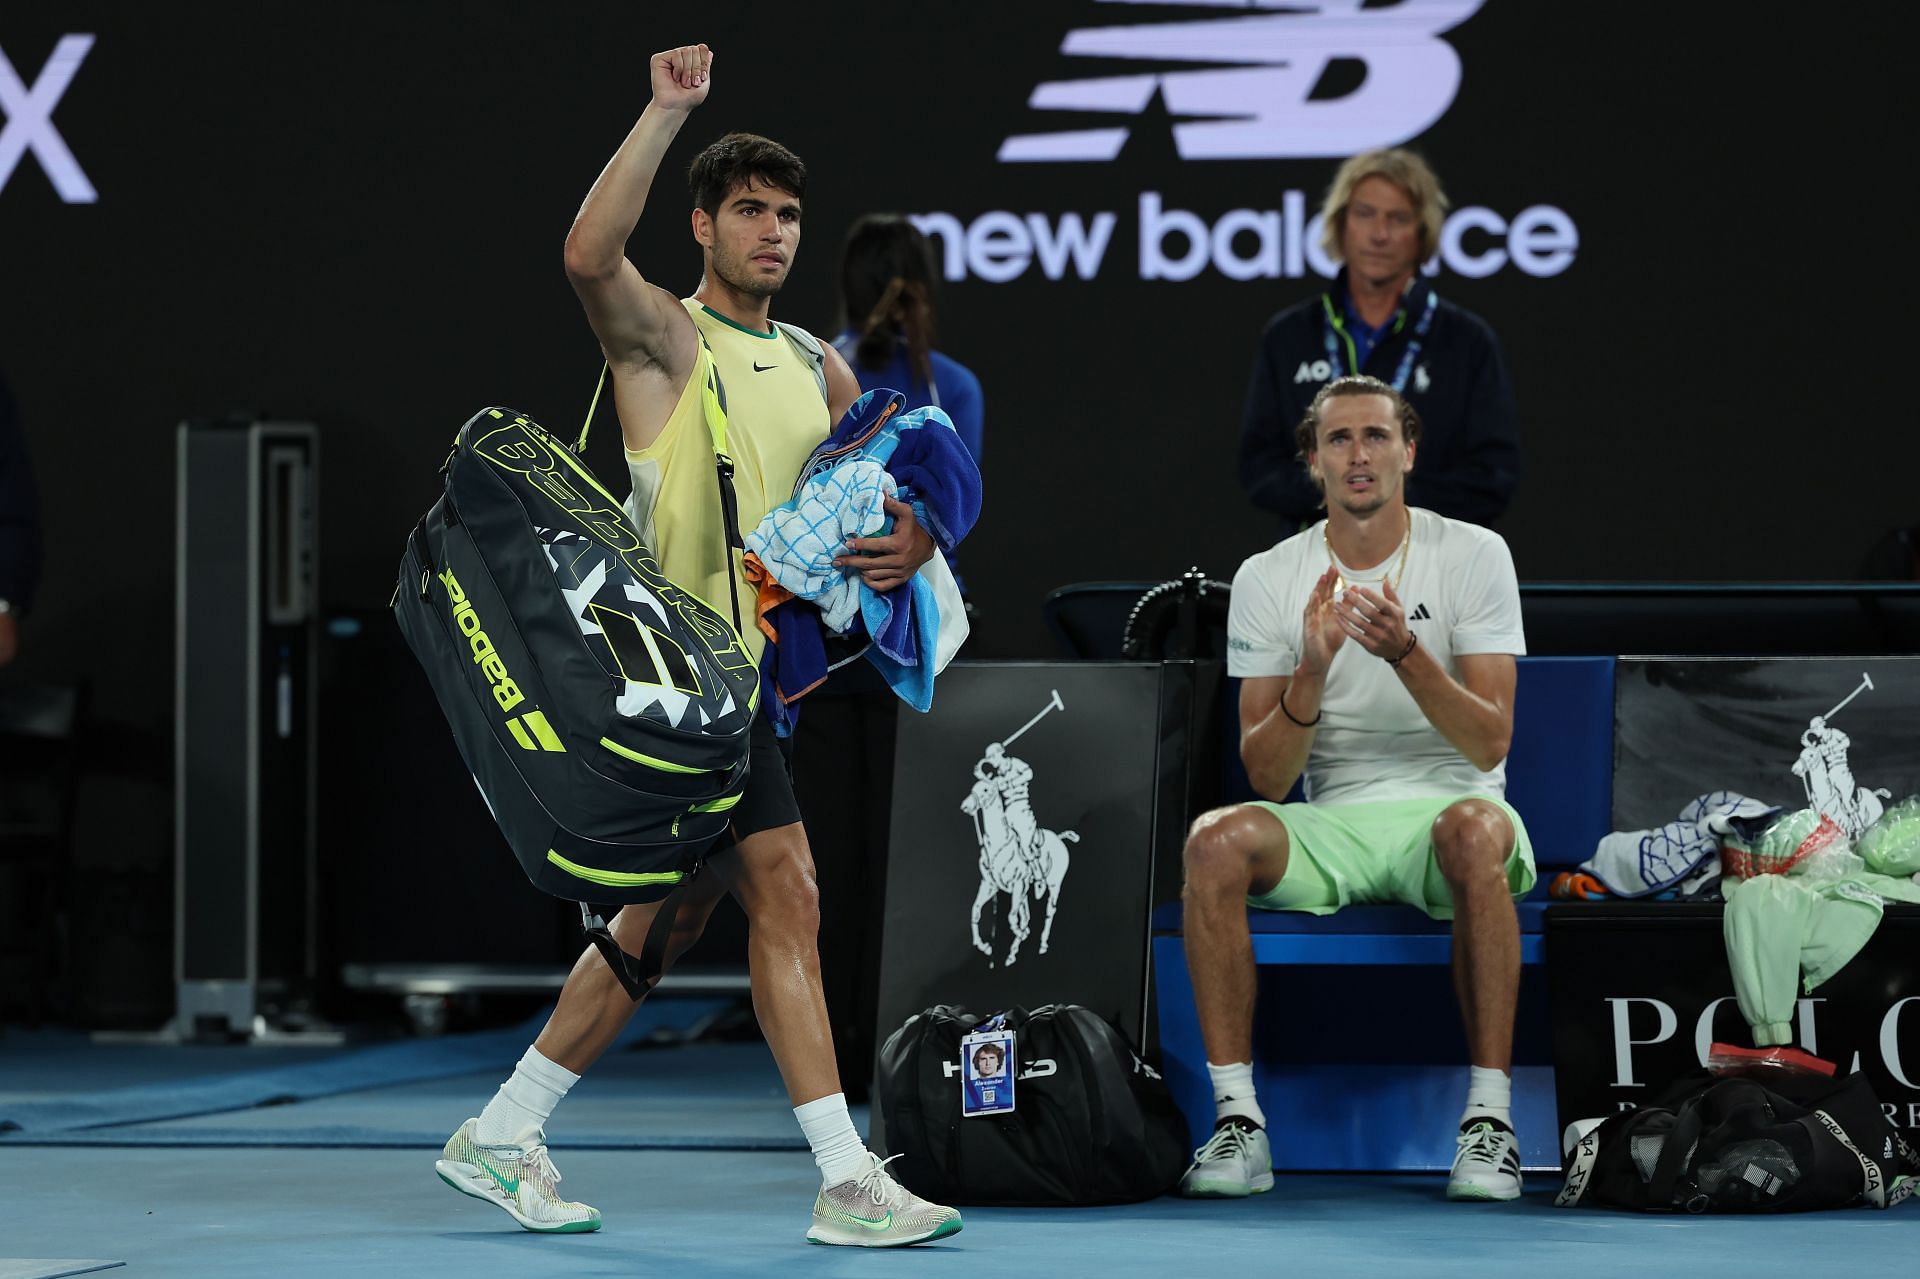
(1303, 723)
(1394, 662)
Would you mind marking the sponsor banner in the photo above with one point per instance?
(1273, 80)
(1163, 241)
(1834, 734)
(27, 101)
(1253, 79)
(1640, 989)
(1021, 855)
(1639, 992)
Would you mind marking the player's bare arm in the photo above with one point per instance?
(646, 334)
(1278, 712)
(843, 387)
(1474, 713)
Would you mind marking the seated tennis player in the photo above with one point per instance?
(1377, 652)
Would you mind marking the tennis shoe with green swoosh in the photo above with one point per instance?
(875, 1211)
(520, 1179)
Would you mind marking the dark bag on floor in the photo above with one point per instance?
(1713, 1144)
(1091, 1124)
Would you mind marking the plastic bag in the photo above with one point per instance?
(1747, 1174)
(1891, 846)
(1727, 1060)
(1804, 842)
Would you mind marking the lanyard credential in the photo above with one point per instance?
(1335, 325)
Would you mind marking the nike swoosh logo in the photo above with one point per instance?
(512, 1187)
(768, 369)
(863, 1223)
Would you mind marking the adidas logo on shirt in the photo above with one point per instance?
(1420, 614)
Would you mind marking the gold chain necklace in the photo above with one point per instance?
(1340, 582)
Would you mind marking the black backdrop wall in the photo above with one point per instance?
(353, 214)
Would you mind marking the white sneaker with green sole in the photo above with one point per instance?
(875, 1211)
(519, 1179)
(1236, 1161)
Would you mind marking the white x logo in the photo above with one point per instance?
(30, 120)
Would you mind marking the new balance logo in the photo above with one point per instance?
(1420, 614)
(1259, 103)
(29, 120)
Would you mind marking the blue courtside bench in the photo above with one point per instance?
(1356, 1030)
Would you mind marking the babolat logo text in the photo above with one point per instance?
(1254, 98)
(505, 691)
(521, 447)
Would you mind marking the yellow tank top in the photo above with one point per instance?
(776, 416)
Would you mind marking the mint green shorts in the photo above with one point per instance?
(1343, 853)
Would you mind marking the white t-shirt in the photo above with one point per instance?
(1374, 743)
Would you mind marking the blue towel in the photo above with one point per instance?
(916, 628)
(921, 450)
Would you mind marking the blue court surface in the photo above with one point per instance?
(253, 1161)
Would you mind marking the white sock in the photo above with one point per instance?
(518, 1112)
(1233, 1092)
(1489, 1096)
(837, 1148)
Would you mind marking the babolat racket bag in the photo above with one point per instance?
(603, 710)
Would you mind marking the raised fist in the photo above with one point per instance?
(682, 76)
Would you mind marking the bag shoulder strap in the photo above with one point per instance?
(713, 399)
(810, 350)
(713, 411)
(1676, 1155)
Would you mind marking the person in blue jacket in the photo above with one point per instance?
(886, 292)
(1383, 217)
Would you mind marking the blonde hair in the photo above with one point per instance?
(1405, 170)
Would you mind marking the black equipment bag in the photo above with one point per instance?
(604, 711)
(1091, 1124)
(1712, 1144)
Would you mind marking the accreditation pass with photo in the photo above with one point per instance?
(986, 1078)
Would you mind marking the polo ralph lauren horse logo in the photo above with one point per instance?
(1827, 775)
(1016, 856)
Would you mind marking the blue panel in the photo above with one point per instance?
(1354, 919)
(1560, 763)
(1364, 1117)
(1368, 948)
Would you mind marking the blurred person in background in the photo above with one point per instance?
(1381, 318)
(887, 298)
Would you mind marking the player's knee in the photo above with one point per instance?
(785, 897)
(688, 924)
(1220, 851)
(1471, 840)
